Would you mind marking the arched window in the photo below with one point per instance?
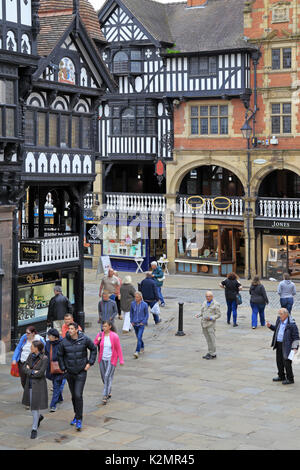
(120, 63)
(128, 122)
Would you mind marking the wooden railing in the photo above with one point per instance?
(236, 208)
(54, 250)
(135, 202)
(278, 208)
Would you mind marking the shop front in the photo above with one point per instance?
(213, 247)
(277, 248)
(35, 291)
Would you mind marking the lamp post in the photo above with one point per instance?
(247, 132)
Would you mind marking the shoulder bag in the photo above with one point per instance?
(54, 365)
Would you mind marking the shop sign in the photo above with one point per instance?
(93, 234)
(277, 224)
(195, 202)
(221, 203)
(30, 252)
(34, 278)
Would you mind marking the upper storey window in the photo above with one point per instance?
(203, 66)
(7, 108)
(281, 58)
(127, 62)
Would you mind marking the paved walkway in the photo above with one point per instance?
(170, 398)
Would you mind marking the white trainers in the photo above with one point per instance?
(136, 355)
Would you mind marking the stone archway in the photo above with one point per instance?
(261, 174)
(176, 173)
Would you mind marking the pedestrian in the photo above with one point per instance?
(109, 352)
(107, 308)
(118, 294)
(232, 287)
(57, 378)
(109, 284)
(73, 359)
(23, 350)
(209, 313)
(287, 291)
(127, 293)
(285, 340)
(150, 295)
(35, 392)
(68, 318)
(139, 319)
(59, 305)
(258, 301)
(158, 276)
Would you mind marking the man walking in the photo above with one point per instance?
(158, 276)
(139, 319)
(285, 340)
(59, 305)
(210, 312)
(73, 359)
(107, 309)
(150, 294)
(110, 284)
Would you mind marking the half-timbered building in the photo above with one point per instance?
(167, 58)
(58, 166)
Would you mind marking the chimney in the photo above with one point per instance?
(196, 3)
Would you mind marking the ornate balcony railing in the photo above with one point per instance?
(208, 209)
(277, 208)
(52, 250)
(135, 202)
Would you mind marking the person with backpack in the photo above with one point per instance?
(232, 288)
(258, 301)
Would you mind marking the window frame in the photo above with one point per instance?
(281, 50)
(9, 106)
(208, 116)
(281, 115)
(210, 72)
(130, 61)
(148, 115)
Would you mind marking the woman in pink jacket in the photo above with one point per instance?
(109, 352)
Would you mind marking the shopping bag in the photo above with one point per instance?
(14, 371)
(296, 359)
(155, 309)
(239, 300)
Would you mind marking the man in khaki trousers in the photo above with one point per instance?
(210, 312)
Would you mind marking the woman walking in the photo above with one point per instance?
(258, 301)
(127, 292)
(109, 352)
(23, 350)
(58, 379)
(232, 287)
(35, 391)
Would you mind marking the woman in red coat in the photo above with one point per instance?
(109, 352)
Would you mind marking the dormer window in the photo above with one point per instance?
(127, 62)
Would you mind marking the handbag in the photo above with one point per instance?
(239, 299)
(14, 371)
(54, 365)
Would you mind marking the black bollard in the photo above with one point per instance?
(80, 317)
(180, 331)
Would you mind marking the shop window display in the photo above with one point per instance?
(122, 241)
(281, 253)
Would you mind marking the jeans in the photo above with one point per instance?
(284, 366)
(287, 303)
(35, 413)
(161, 298)
(155, 316)
(139, 330)
(258, 308)
(76, 385)
(231, 307)
(58, 386)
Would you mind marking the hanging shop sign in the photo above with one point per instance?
(195, 202)
(30, 252)
(221, 203)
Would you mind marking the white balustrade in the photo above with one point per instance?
(54, 250)
(136, 202)
(279, 208)
(236, 208)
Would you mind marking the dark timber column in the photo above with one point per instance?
(31, 212)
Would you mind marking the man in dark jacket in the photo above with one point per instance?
(150, 295)
(59, 305)
(73, 358)
(285, 340)
(58, 380)
(107, 309)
